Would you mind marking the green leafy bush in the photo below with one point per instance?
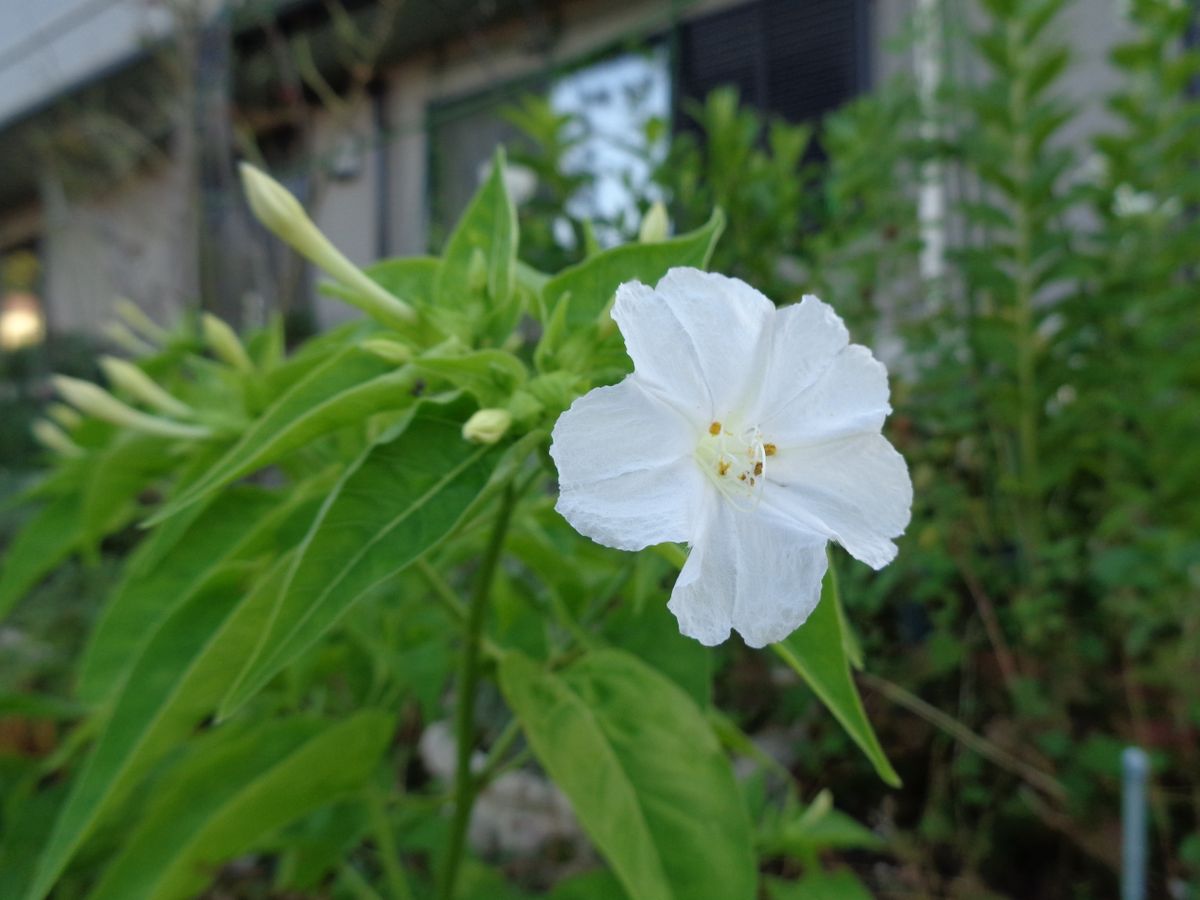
(327, 531)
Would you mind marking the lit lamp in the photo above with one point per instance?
(21, 321)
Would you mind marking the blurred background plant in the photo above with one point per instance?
(1045, 382)
(1044, 611)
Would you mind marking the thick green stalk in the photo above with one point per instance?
(468, 678)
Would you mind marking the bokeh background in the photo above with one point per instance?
(999, 196)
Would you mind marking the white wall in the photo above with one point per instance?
(133, 241)
(48, 46)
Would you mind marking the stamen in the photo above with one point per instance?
(735, 462)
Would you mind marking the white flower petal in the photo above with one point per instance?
(626, 474)
(697, 339)
(850, 396)
(805, 337)
(748, 573)
(855, 490)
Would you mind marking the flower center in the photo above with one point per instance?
(735, 461)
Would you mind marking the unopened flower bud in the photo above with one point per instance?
(487, 426)
(99, 403)
(223, 342)
(65, 416)
(282, 214)
(54, 438)
(392, 351)
(655, 225)
(131, 314)
(122, 336)
(129, 378)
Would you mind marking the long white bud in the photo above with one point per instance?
(66, 417)
(129, 378)
(95, 401)
(223, 341)
(54, 438)
(281, 213)
(391, 351)
(122, 335)
(131, 314)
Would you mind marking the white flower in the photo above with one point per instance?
(751, 433)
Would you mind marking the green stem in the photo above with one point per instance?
(450, 601)
(1030, 774)
(355, 884)
(468, 678)
(389, 857)
(495, 757)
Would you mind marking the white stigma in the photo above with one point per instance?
(735, 461)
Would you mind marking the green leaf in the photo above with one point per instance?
(241, 524)
(817, 885)
(395, 503)
(411, 278)
(46, 540)
(643, 772)
(599, 884)
(346, 388)
(805, 833)
(477, 278)
(817, 652)
(176, 683)
(590, 285)
(117, 475)
(229, 794)
(35, 812)
(490, 376)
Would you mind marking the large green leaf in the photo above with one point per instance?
(589, 286)
(32, 812)
(477, 278)
(46, 540)
(411, 278)
(817, 652)
(395, 503)
(117, 475)
(230, 794)
(242, 523)
(818, 885)
(644, 773)
(346, 388)
(176, 683)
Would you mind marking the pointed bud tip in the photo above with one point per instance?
(272, 204)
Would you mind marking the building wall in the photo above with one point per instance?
(134, 240)
(347, 210)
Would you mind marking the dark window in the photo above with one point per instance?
(796, 58)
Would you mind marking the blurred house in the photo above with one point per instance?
(120, 120)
